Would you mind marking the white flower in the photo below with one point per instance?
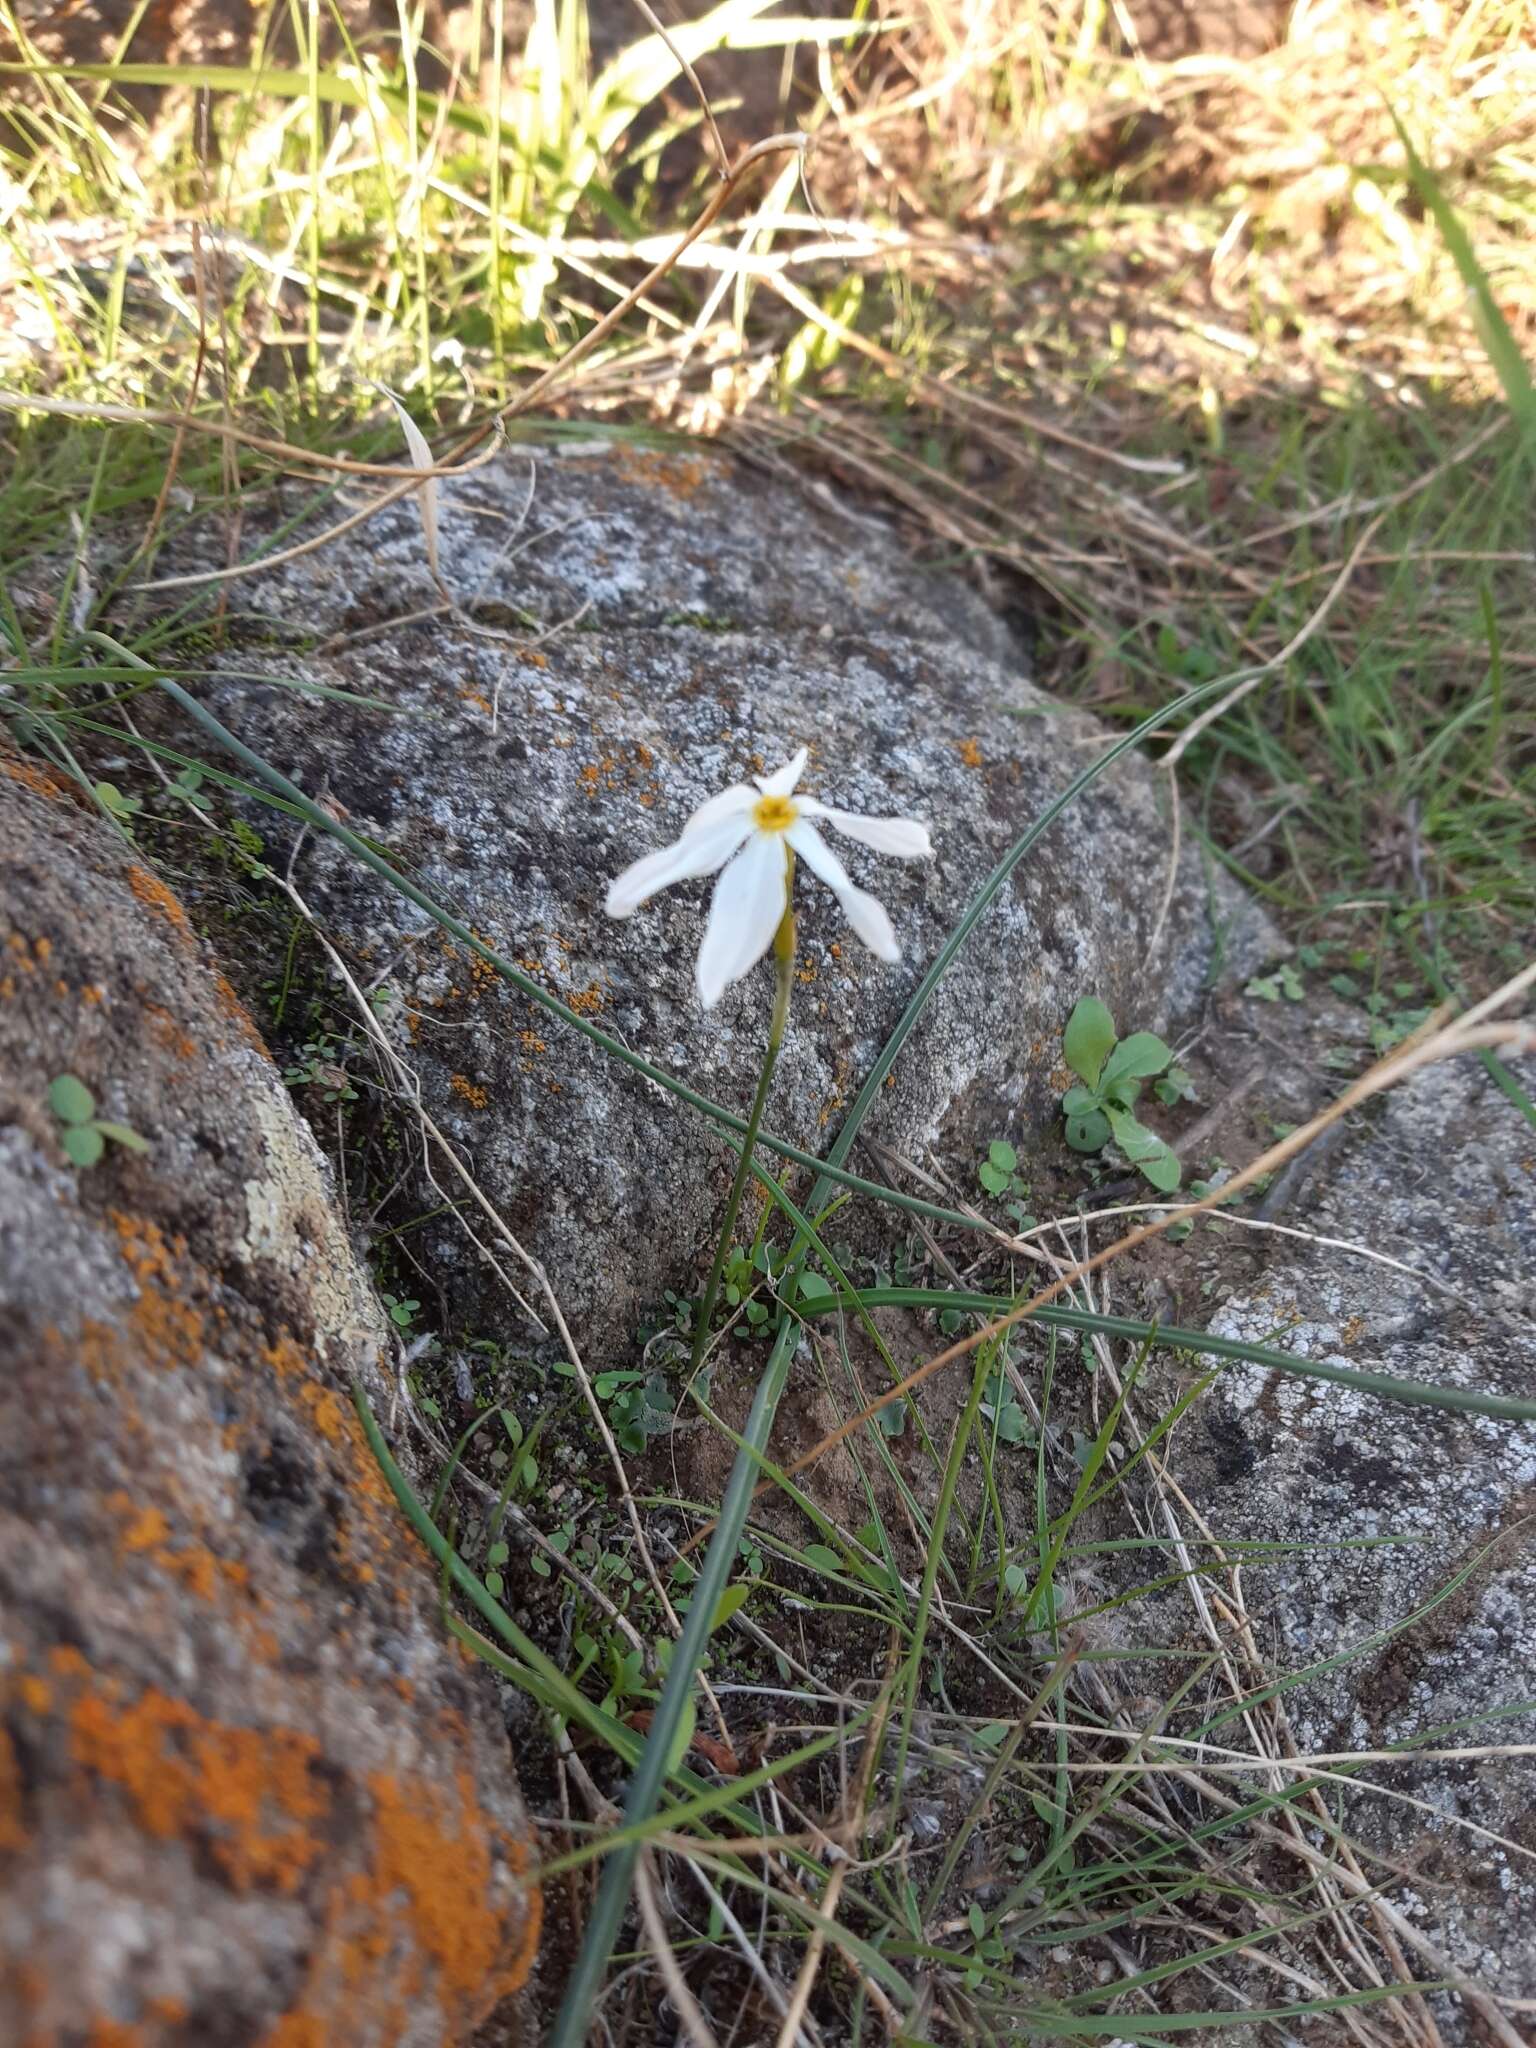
(754, 831)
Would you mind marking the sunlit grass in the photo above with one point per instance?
(1158, 419)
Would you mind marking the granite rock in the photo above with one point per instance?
(647, 626)
(251, 1791)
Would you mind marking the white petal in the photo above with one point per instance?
(699, 853)
(730, 803)
(818, 856)
(783, 780)
(744, 914)
(905, 837)
(867, 917)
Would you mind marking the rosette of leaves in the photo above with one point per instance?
(1110, 1072)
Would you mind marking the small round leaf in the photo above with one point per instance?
(71, 1101)
(84, 1143)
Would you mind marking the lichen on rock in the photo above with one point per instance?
(250, 1788)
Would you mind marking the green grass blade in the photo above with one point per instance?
(1418, 1393)
(1510, 366)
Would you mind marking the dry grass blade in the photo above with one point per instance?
(686, 2006)
(426, 497)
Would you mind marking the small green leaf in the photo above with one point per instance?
(1078, 1101)
(732, 1598)
(992, 1178)
(498, 1553)
(1002, 1155)
(112, 800)
(121, 1135)
(812, 1287)
(683, 1740)
(1146, 1150)
(1088, 1133)
(992, 1736)
(494, 1583)
(1162, 1170)
(1136, 1058)
(70, 1100)
(1088, 1039)
(1175, 1086)
(83, 1142)
(821, 1558)
(1012, 1426)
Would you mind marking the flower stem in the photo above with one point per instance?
(784, 962)
(657, 1758)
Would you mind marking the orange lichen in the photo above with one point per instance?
(164, 1029)
(92, 993)
(113, 2034)
(172, 1331)
(325, 1410)
(585, 1000)
(531, 1041)
(440, 1863)
(147, 1531)
(36, 1694)
(13, 1833)
(148, 1534)
(252, 1796)
(297, 2030)
(474, 697)
(284, 1357)
(153, 893)
(679, 475)
(145, 1250)
(476, 1096)
(969, 752)
(231, 1007)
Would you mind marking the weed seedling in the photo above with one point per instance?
(1110, 1070)
(999, 1175)
(84, 1134)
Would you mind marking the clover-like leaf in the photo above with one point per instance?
(1088, 1039)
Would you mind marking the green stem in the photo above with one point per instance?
(784, 962)
(645, 1787)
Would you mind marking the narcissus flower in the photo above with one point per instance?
(750, 833)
